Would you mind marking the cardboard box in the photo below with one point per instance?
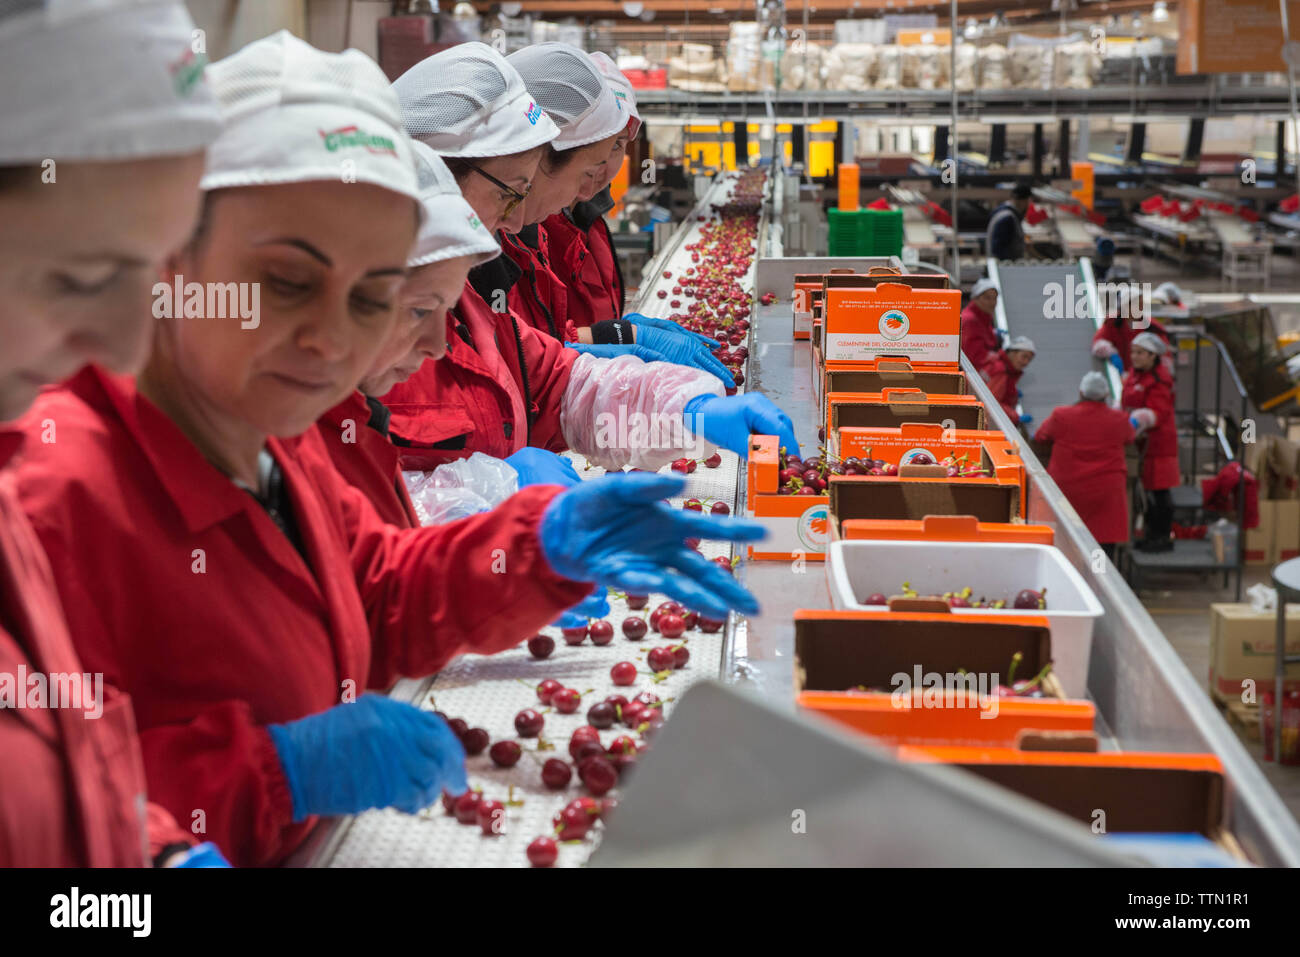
(946, 528)
(1261, 541)
(890, 408)
(1286, 537)
(1282, 470)
(880, 374)
(1242, 645)
(913, 499)
(960, 661)
(912, 441)
(892, 319)
(1139, 792)
(798, 525)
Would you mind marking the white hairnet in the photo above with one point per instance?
(982, 286)
(621, 86)
(296, 114)
(450, 228)
(1151, 343)
(469, 101)
(101, 80)
(1021, 344)
(1094, 386)
(570, 88)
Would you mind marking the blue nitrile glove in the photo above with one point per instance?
(202, 855)
(1001, 334)
(1117, 362)
(541, 467)
(619, 532)
(595, 605)
(669, 326)
(1025, 418)
(1133, 421)
(376, 752)
(729, 421)
(609, 350)
(1019, 394)
(684, 348)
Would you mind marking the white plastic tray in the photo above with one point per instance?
(860, 567)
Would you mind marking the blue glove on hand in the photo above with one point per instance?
(374, 753)
(729, 421)
(202, 855)
(609, 350)
(595, 605)
(684, 348)
(541, 467)
(669, 326)
(1117, 362)
(619, 532)
(1025, 418)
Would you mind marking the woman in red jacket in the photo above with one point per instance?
(1003, 371)
(1088, 460)
(1114, 338)
(1149, 395)
(503, 385)
(980, 338)
(76, 263)
(264, 594)
(579, 244)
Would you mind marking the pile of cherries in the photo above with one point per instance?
(1027, 599)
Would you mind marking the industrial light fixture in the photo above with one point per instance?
(1160, 13)
(972, 28)
(632, 8)
(511, 9)
(1137, 23)
(647, 15)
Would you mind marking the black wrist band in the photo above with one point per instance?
(613, 331)
(177, 848)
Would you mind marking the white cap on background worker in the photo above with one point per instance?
(622, 88)
(1151, 343)
(572, 91)
(982, 285)
(470, 101)
(1021, 344)
(451, 228)
(109, 80)
(295, 114)
(1094, 387)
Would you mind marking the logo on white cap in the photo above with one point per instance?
(346, 137)
(534, 113)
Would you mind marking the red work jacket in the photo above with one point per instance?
(581, 252)
(72, 787)
(1088, 440)
(979, 339)
(1120, 334)
(1002, 379)
(355, 433)
(497, 389)
(181, 589)
(1153, 389)
(540, 297)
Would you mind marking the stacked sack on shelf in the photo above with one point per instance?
(695, 69)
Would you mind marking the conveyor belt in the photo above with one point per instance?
(1063, 341)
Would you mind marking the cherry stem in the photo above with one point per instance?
(1011, 672)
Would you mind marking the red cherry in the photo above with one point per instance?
(665, 608)
(572, 824)
(528, 723)
(586, 749)
(720, 508)
(566, 701)
(467, 807)
(556, 774)
(681, 465)
(582, 736)
(680, 656)
(632, 713)
(546, 690)
(574, 636)
(543, 852)
(634, 629)
(713, 461)
(662, 293)
(449, 802)
(691, 619)
(637, 602)
(458, 726)
(541, 646)
(877, 599)
(711, 626)
(492, 818)
(623, 673)
(475, 741)
(598, 774)
(505, 754)
(671, 626)
(622, 745)
(667, 274)
(601, 632)
(693, 505)
(661, 659)
(647, 698)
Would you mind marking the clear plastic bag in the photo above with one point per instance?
(461, 488)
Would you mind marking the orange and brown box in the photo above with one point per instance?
(877, 375)
(1261, 541)
(890, 408)
(1243, 643)
(914, 443)
(947, 528)
(807, 292)
(904, 498)
(1137, 791)
(909, 678)
(798, 526)
(892, 319)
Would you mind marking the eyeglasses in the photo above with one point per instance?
(516, 196)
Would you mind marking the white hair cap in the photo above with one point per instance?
(571, 89)
(101, 80)
(469, 101)
(982, 286)
(1094, 386)
(451, 228)
(1151, 343)
(622, 88)
(295, 114)
(1021, 344)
